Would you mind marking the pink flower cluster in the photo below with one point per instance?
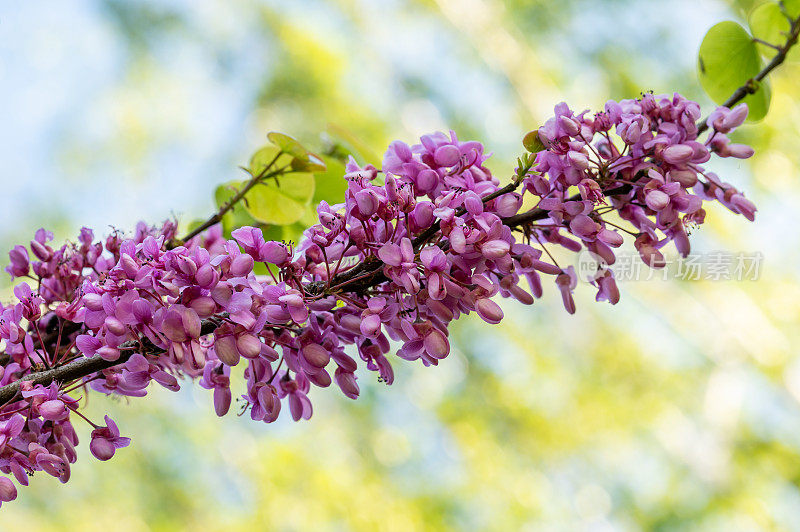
(647, 152)
(428, 238)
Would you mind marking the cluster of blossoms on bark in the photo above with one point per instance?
(429, 237)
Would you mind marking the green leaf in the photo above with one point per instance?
(266, 155)
(768, 23)
(792, 7)
(532, 142)
(312, 163)
(281, 201)
(302, 159)
(287, 144)
(728, 58)
(330, 184)
(361, 151)
(237, 216)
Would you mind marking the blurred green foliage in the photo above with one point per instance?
(675, 410)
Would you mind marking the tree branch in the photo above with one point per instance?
(369, 272)
(83, 367)
(217, 216)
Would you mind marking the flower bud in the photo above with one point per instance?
(351, 323)
(687, 178)
(740, 151)
(206, 276)
(8, 492)
(316, 355)
(115, 326)
(204, 306)
(20, 262)
(347, 383)
(612, 238)
(248, 345)
(735, 118)
(42, 252)
(473, 203)
(93, 301)
(101, 448)
(222, 400)
(494, 249)
(371, 325)
(564, 283)
(227, 352)
(436, 344)
(508, 204)
(578, 159)
(677, 154)
(53, 410)
(656, 200)
(108, 353)
(191, 322)
(569, 125)
(426, 180)
(447, 155)
(488, 310)
(367, 203)
(129, 266)
(744, 206)
(241, 265)
(273, 252)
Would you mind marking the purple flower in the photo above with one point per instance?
(20, 263)
(11, 428)
(106, 440)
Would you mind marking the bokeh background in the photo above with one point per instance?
(677, 409)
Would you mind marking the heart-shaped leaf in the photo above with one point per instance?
(768, 23)
(282, 200)
(728, 58)
(330, 184)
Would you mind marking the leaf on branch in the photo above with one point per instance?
(266, 155)
(287, 144)
(352, 145)
(281, 202)
(312, 163)
(728, 58)
(792, 7)
(237, 216)
(302, 159)
(330, 184)
(532, 142)
(768, 23)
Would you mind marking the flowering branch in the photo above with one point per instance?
(358, 280)
(395, 261)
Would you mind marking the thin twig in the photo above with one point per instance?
(84, 367)
(217, 216)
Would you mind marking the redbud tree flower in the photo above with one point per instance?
(428, 238)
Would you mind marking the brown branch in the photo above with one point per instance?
(753, 84)
(370, 272)
(84, 367)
